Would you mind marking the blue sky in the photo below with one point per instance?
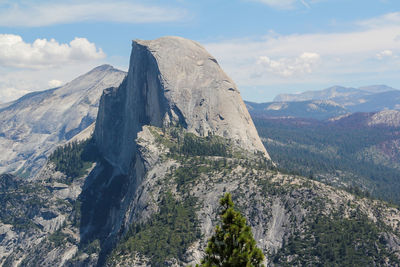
(267, 46)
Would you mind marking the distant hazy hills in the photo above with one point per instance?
(339, 94)
(316, 109)
(331, 102)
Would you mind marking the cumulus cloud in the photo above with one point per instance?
(384, 54)
(55, 83)
(27, 14)
(286, 67)
(10, 93)
(43, 53)
(276, 59)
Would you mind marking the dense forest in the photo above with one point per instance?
(73, 159)
(336, 241)
(338, 154)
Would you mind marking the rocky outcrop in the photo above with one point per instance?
(32, 126)
(172, 80)
(388, 118)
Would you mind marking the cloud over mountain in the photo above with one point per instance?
(43, 53)
(286, 67)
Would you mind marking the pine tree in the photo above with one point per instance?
(233, 244)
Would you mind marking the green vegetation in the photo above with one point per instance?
(206, 146)
(323, 151)
(73, 159)
(20, 202)
(337, 241)
(166, 235)
(182, 143)
(58, 238)
(233, 243)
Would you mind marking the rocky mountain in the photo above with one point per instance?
(315, 109)
(32, 126)
(363, 99)
(172, 81)
(144, 190)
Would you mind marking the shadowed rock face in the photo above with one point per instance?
(172, 81)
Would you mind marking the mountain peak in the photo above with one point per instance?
(39, 121)
(173, 81)
(103, 67)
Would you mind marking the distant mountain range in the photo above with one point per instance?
(336, 93)
(330, 102)
(316, 109)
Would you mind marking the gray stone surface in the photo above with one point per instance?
(172, 80)
(32, 126)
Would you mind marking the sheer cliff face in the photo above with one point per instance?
(172, 81)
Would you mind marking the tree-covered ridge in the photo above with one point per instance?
(180, 142)
(262, 194)
(20, 202)
(74, 158)
(337, 241)
(208, 146)
(180, 202)
(167, 234)
(336, 153)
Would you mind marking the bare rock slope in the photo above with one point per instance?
(33, 125)
(172, 81)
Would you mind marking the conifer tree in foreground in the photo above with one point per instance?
(233, 243)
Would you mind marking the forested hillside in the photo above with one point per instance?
(344, 152)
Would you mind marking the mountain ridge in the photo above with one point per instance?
(31, 126)
(333, 92)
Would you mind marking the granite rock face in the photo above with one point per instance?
(32, 126)
(172, 81)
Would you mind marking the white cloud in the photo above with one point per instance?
(342, 55)
(43, 53)
(281, 4)
(14, 83)
(49, 13)
(10, 94)
(384, 54)
(286, 4)
(55, 83)
(381, 21)
(287, 67)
